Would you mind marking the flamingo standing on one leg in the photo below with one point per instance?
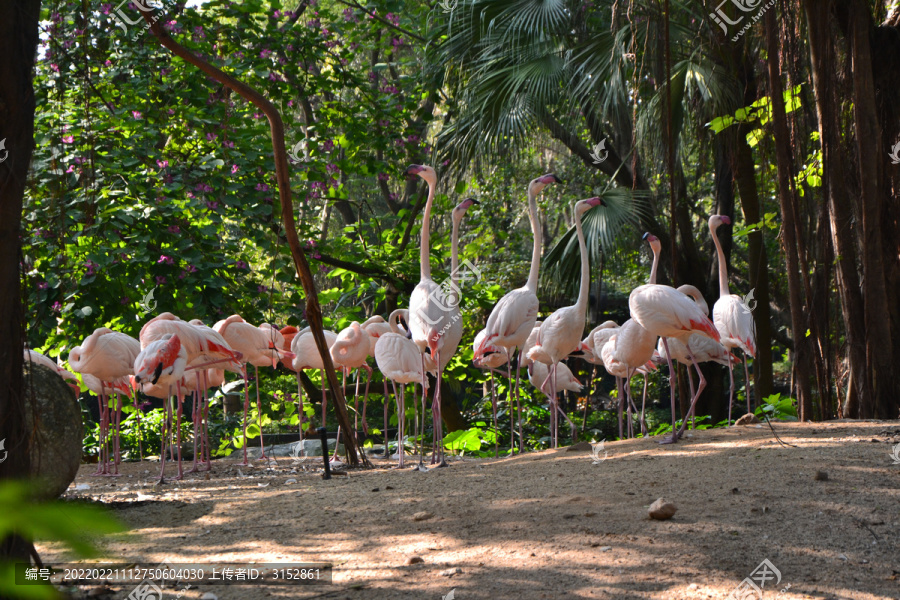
(434, 318)
(560, 334)
(306, 356)
(260, 347)
(350, 351)
(515, 314)
(732, 316)
(538, 373)
(400, 360)
(109, 356)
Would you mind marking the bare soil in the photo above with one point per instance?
(550, 524)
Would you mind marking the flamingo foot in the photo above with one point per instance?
(669, 439)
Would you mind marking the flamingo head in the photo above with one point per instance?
(584, 205)
(538, 184)
(653, 241)
(716, 220)
(165, 356)
(462, 207)
(424, 171)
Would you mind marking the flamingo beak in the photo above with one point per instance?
(412, 170)
(726, 220)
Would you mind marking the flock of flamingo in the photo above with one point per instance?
(172, 356)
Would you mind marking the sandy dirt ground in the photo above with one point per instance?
(552, 524)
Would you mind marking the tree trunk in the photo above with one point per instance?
(881, 390)
(18, 44)
(840, 211)
(802, 350)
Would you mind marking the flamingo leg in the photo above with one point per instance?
(178, 428)
(436, 411)
(163, 438)
(401, 409)
(730, 390)
(512, 420)
(300, 409)
(117, 457)
(324, 399)
(259, 415)
(337, 441)
(195, 404)
(366, 398)
(417, 445)
(690, 379)
(747, 383)
(494, 412)
(554, 403)
(518, 403)
(385, 397)
(246, 409)
(643, 406)
(100, 437)
(629, 403)
(137, 408)
(620, 407)
(700, 386)
(673, 438)
(205, 423)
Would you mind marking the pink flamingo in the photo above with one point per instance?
(491, 358)
(560, 334)
(665, 312)
(514, 315)
(40, 359)
(434, 318)
(732, 316)
(350, 351)
(306, 356)
(400, 360)
(109, 356)
(260, 347)
(538, 373)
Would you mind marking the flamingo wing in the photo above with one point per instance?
(734, 321)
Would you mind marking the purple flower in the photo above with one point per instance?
(57, 307)
(445, 163)
(203, 187)
(125, 300)
(174, 229)
(228, 144)
(137, 114)
(160, 280)
(262, 289)
(241, 265)
(373, 75)
(234, 169)
(397, 42)
(162, 164)
(327, 146)
(166, 260)
(42, 285)
(211, 137)
(262, 187)
(105, 8)
(276, 14)
(199, 33)
(382, 177)
(108, 63)
(394, 19)
(68, 139)
(171, 111)
(331, 168)
(212, 205)
(349, 16)
(265, 53)
(71, 169)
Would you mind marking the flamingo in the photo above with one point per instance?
(400, 360)
(434, 318)
(197, 341)
(109, 356)
(350, 351)
(732, 316)
(538, 373)
(260, 347)
(40, 359)
(492, 358)
(665, 312)
(560, 334)
(515, 314)
(703, 348)
(306, 356)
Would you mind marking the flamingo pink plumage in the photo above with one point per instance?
(306, 356)
(514, 315)
(109, 356)
(560, 334)
(732, 316)
(350, 351)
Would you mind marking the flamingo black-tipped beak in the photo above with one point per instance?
(726, 220)
(555, 179)
(412, 170)
(157, 373)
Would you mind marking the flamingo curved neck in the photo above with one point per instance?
(723, 268)
(454, 256)
(585, 274)
(655, 264)
(425, 256)
(536, 250)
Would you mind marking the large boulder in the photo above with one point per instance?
(58, 430)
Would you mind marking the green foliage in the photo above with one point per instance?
(778, 408)
(758, 114)
(72, 524)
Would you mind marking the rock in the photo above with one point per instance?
(59, 432)
(209, 596)
(662, 510)
(605, 548)
(748, 419)
(310, 448)
(450, 572)
(579, 447)
(423, 516)
(415, 560)
(821, 476)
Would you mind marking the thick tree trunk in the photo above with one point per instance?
(18, 44)
(802, 350)
(882, 383)
(839, 205)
